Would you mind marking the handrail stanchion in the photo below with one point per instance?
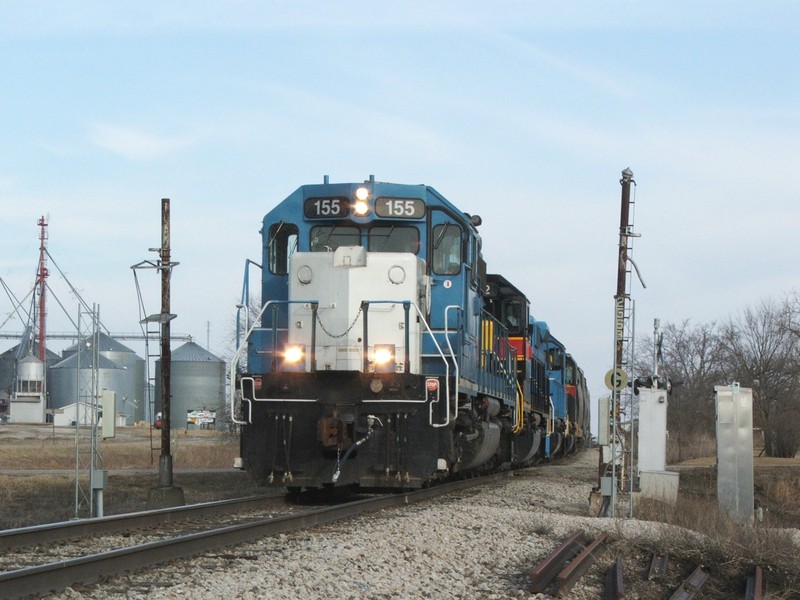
(456, 368)
(240, 350)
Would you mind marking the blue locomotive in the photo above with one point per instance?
(383, 355)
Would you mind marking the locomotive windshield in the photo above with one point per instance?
(327, 238)
(446, 249)
(394, 238)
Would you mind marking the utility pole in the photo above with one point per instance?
(165, 461)
(166, 494)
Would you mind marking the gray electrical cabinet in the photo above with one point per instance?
(735, 450)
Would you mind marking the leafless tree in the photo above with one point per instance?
(691, 358)
(792, 307)
(762, 352)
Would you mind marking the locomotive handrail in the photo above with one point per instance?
(240, 348)
(496, 371)
(438, 347)
(456, 368)
(407, 338)
(245, 300)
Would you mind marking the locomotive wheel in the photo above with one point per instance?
(556, 444)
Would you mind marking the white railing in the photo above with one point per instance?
(242, 347)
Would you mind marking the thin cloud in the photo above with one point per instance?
(135, 144)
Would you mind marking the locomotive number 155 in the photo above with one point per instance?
(400, 208)
(325, 208)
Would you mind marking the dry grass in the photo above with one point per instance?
(784, 492)
(679, 450)
(202, 463)
(137, 450)
(727, 548)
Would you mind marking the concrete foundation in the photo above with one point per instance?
(659, 485)
(165, 497)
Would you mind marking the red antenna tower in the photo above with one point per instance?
(41, 277)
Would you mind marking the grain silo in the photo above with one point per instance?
(69, 383)
(197, 383)
(131, 400)
(28, 398)
(10, 366)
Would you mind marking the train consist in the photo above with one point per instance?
(383, 355)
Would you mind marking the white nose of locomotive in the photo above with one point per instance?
(366, 310)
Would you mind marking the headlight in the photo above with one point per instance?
(361, 205)
(383, 355)
(293, 354)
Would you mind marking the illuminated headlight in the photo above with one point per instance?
(361, 205)
(383, 355)
(293, 354)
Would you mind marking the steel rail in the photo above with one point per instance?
(658, 566)
(56, 576)
(755, 585)
(65, 530)
(569, 576)
(614, 588)
(691, 586)
(546, 570)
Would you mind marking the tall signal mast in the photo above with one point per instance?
(41, 279)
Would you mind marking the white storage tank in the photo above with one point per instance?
(8, 364)
(197, 383)
(28, 401)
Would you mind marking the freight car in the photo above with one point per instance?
(383, 355)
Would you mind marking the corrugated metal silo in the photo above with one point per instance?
(30, 369)
(8, 365)
(197, 382)
(131, 399)
(63, 379)
(8, 361)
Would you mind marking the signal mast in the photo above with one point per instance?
(41, 285)
(613, 452)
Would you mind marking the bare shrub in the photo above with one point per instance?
(702, 534)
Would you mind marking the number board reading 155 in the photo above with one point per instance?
(400, 208)
(326, 208)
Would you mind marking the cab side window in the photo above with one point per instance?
(446, 249)
(282, 244)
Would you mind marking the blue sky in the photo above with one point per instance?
(522, 112)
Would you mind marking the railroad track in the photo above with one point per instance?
(52, 533)
(90, 567)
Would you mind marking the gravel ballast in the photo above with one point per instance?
(479, 543)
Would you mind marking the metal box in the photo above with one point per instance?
(735, 450)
